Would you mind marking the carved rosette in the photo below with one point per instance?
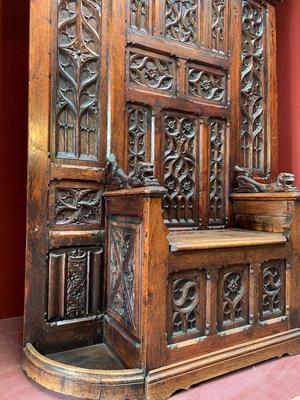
(77, 79)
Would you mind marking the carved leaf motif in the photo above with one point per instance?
(206, 84)
(252, 86)
(185, 295)
(77, 84)
(151, 72)
(179, 169)
(180, 20)
(77, 206)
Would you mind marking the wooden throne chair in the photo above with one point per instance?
(162, 242)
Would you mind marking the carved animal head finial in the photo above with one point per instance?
(144, 175)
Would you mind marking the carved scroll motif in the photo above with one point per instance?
(273, 304)
(253, 140)
(217, 175)
(139, 15)
(152, 72)
(77, 82)
(142, 176)
(218, 25)
(181, 20)
(77, 206)
(179, 169)
(185, 295)
(245, 183)
(206, 84)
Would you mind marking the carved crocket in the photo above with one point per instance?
(143, 175)
(245, 183)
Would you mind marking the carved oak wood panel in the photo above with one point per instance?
(140, 15)
(273, 297)
(76, 89)
(123, 275)
(180, 169)
(253, 140)
(74, 283)
(233, 297)
(186, 305)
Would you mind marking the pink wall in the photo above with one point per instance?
(288, 36)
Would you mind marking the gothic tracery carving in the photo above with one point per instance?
(273, 289)
(181, 20)
(139, 14)
(218, 25)
(77, 81)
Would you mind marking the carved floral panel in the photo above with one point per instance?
(139, 136)
(122, 265)
(181, 20)
(77, 206)
(217, 173)
(152, 71)
(233, 303)
(74, 283)
(273, 289)
(76, 87)
(206, 83)
(180, 203)
(253, 140)
(140, 15)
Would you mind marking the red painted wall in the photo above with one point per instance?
(14, 21)
(288, 36)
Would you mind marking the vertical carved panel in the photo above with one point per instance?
(233, 301)
(217, 173)
(181, 20)
(74, 283)
(77, 80)
(139, 136)
(180, 204)
(218, 25)
(140, 15)
(273, 289)
(253, 142)
(122, 266)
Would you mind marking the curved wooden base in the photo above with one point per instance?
(159, 384)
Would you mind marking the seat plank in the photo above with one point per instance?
(221, 238)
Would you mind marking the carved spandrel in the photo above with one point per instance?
(77, 81)
(253, 135)
(180, 170)
(217, 173)
(181, 20)
(152, 71)
(206, 84)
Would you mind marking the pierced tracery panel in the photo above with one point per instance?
(139, 136)
(206, 83)
(180, 204)
(233, 301)
(217, 173)
(151, 71)
(181, 20)
(253, 140)
(140, 15)
(76, 89)
(273, 289)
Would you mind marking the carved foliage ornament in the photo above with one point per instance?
(143, 175)
(77, 206)
(77, 81)
(181, 20)
(206, 84)
(245, 183)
